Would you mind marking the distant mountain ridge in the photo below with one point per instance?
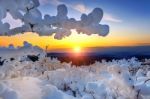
(107, 53)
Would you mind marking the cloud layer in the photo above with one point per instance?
(60, 25)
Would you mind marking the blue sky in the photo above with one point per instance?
(125, 9)
(127, 13)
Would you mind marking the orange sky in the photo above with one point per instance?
(81, 40)
(127, 27)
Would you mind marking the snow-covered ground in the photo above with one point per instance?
(45, 78)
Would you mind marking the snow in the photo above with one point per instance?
(32, 20)
(46, 78)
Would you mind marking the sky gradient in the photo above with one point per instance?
(129, 22)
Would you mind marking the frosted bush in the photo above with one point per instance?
(20, 77)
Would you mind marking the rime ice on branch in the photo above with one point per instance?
(27, 11)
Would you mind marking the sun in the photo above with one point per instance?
(77, 49)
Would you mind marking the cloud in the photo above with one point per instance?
(78, 7)
(60, 25)
(81, 8)
(110, 18)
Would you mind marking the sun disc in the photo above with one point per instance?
(77, 49)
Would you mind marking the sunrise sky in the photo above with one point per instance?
(129, 22)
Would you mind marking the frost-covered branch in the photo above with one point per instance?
(27, 11)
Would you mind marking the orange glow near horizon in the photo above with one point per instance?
(77, 49)
(82, 40)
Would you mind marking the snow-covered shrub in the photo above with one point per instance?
(46, 78)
